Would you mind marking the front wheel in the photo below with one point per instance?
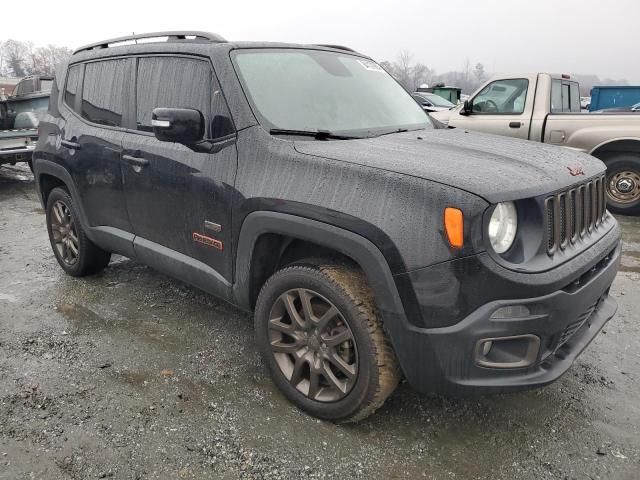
(623, 184)
(322, 339)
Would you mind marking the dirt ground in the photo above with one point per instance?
(132, 375)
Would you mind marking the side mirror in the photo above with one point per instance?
(178, 125)
(467, 108)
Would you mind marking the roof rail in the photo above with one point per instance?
(172, 36)
(336, 47)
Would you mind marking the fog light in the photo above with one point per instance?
(511, 311)
(519, 351)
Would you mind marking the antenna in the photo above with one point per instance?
(133, 34)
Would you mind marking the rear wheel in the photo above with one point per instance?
(623, 184)
(323, 342)
(76, 254)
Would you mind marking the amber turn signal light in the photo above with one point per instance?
(454, 226)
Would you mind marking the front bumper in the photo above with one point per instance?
(564, 320)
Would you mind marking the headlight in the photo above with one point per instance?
(503, 226)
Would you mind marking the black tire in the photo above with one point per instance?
(30, 163)
(345, 287)
(625, 167)
(89, 258)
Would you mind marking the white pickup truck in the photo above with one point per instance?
(546, 108)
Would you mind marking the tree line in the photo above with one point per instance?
(412, 75)
(19, 59)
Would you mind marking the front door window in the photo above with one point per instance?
(502, 97)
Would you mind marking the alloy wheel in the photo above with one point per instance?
(313, 345)
(65, 235)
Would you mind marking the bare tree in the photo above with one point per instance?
(19, 59)
(15, 54)
(408, 74)
(478, 71)
(44, 60)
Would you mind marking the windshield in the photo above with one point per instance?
(311, 90)
(437, 100)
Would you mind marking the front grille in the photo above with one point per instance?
(574, 213)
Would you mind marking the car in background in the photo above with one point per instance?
(430, 102)
(585, 103)
(20, 114)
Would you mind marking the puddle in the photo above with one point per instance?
(85, 322)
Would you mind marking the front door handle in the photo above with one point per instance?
(70, 145)
(515, 124)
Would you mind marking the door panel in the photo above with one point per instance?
(502, 107)
(173, 191)
(507, 125)
(92, 152)
(172, 197)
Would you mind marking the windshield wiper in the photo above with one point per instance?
(396, 130)
(317, 134)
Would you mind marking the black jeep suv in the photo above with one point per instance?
(303, 183)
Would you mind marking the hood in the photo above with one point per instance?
(436, 109)
(493, 167)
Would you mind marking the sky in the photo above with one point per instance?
(561, 36)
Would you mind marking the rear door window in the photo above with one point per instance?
(105, 91)
(172, 82)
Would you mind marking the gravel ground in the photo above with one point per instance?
(132, 375)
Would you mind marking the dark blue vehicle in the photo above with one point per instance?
(301, 182)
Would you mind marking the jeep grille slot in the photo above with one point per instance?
(572, 214)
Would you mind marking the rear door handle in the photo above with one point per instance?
(70, 145)
(136, 161)
(515, 124)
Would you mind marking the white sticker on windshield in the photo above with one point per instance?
(369, 65)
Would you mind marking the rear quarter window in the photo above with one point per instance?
(565, 96)
(73, 86)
